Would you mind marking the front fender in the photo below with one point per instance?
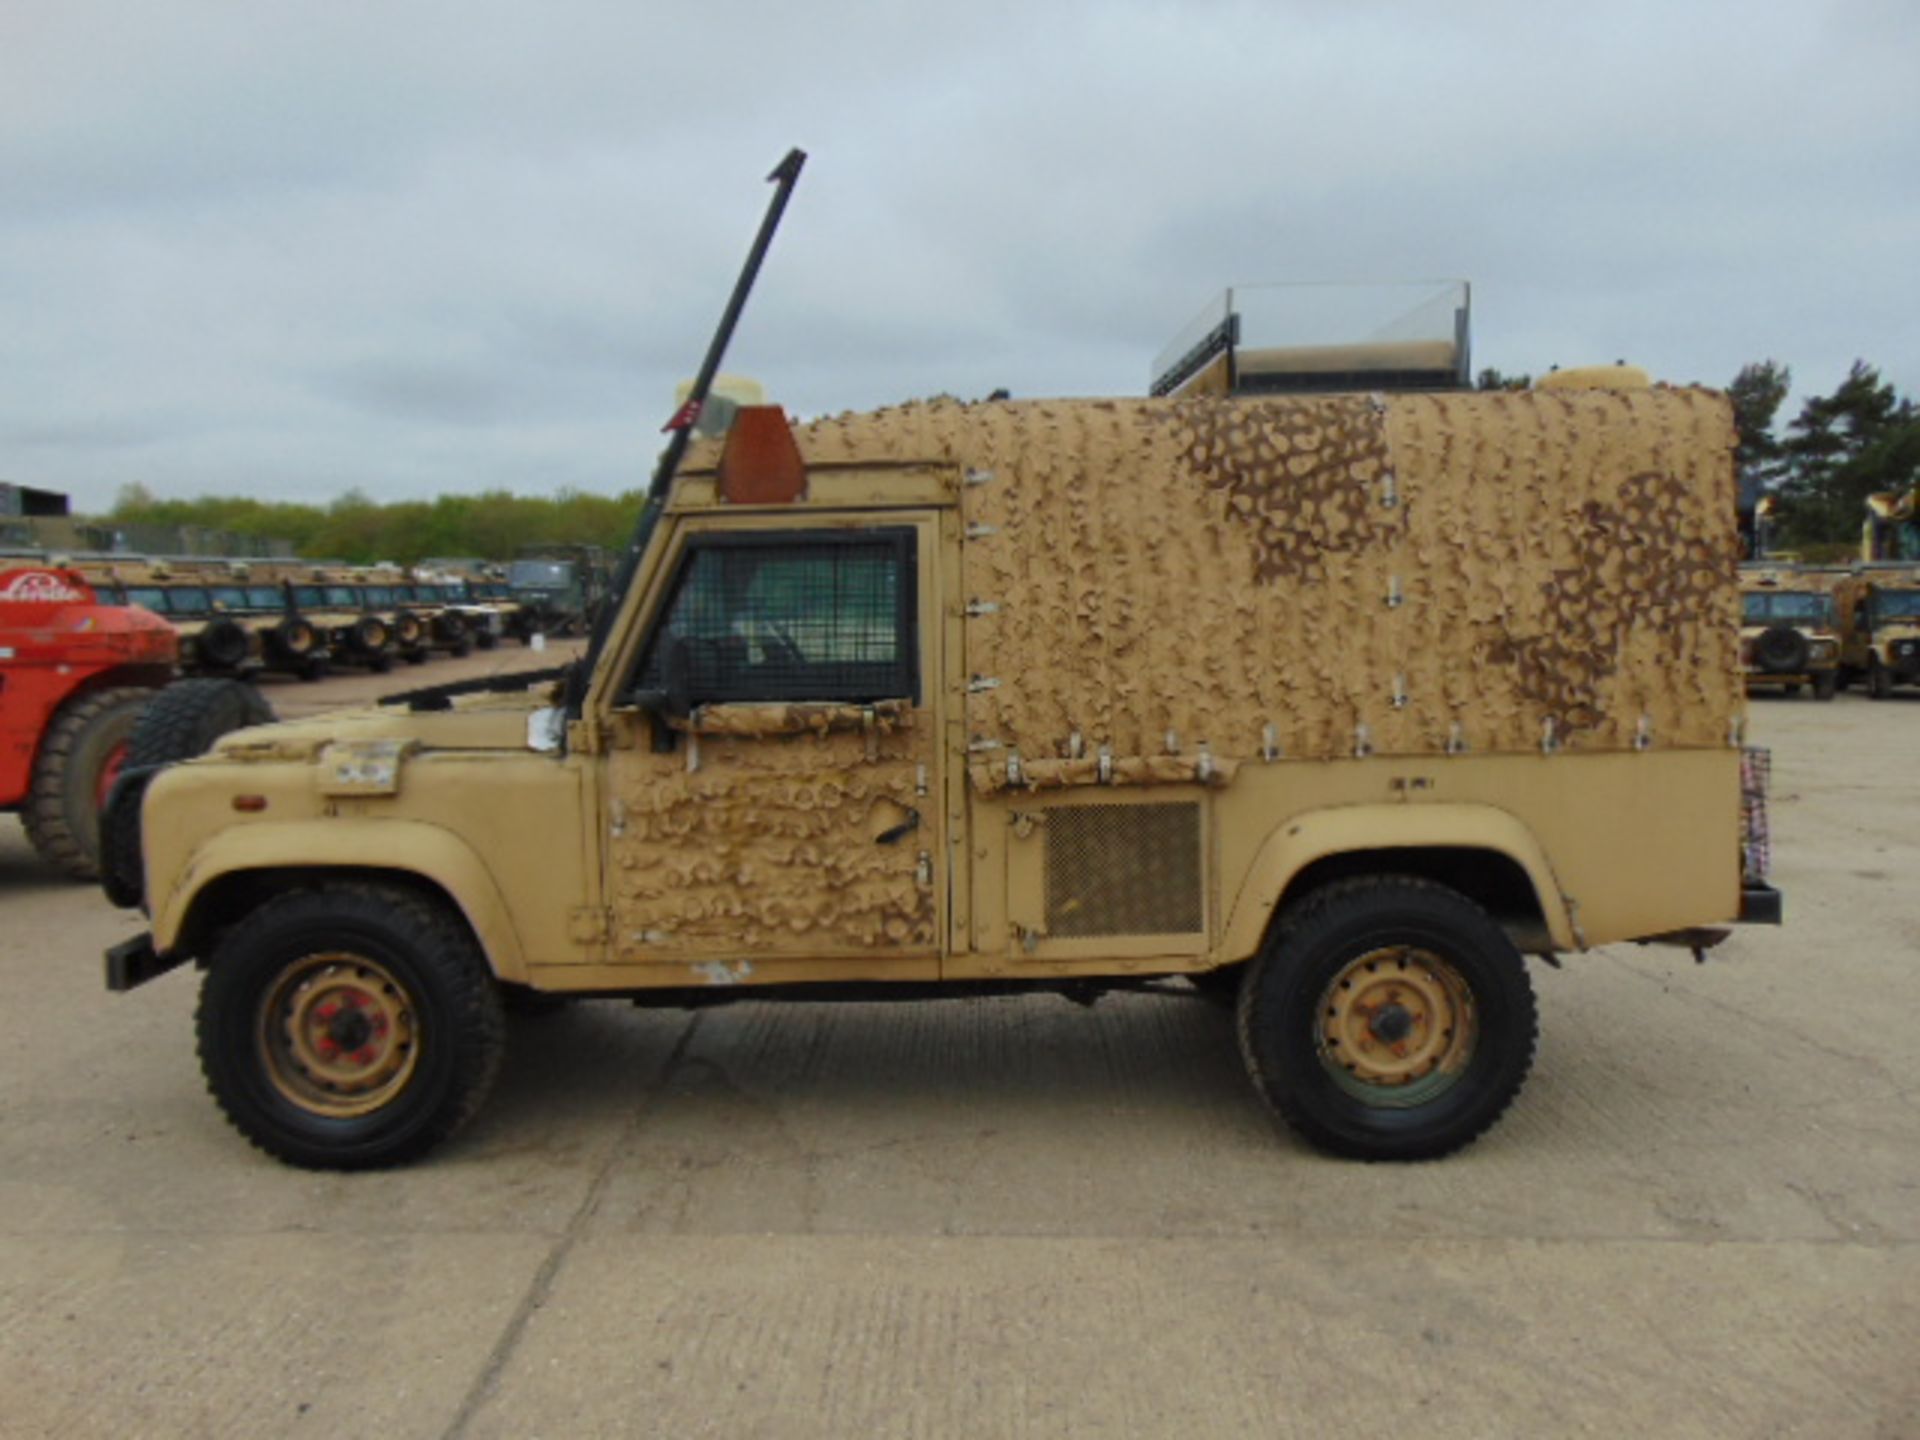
(1319, 834)
(403, 847)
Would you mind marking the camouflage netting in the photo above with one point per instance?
(1316, 577)
(769, 848)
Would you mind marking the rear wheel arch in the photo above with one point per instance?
(1487, 855)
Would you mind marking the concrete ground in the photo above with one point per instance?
(1010, 1217)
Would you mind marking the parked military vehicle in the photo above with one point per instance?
(1789, 629)
(1336, 704)
(390, 597)
(230, 621)
(338, 610)
(559, 590)
(1882, 628)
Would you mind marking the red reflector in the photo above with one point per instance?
(249, 802)
(761, 463)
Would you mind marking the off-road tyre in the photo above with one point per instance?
(417, 657)
(380, 664)
(317, 668)
(1826, 685)
(1393, 923)
(86, 745)
(186, 717)
(1879, 682)
(292, 639)
(463, 647)
(222, 645)
(1782, 650)
(382, 954)
(486, 639)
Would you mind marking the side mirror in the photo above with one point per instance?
(673, 700)
(677, 699)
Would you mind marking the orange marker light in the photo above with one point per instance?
(761, 463)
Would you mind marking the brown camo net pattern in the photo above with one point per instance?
(1213, 568)
(768, 848)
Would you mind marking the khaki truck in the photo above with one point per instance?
(1336, 705)
(1881, 626)
(1789, 628)
(337, 608)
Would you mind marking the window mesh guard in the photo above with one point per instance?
(798, 619)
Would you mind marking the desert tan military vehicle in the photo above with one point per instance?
(1341, 703)
(211, 639)
(1881, 626)
(337, 608)
(1333, 704)
(1789, 628)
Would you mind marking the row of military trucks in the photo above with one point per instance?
(1826, 628)
(235, 618)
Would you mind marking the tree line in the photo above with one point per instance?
(1840, 448)
(493, 525)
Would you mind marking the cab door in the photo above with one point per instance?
(772, 791)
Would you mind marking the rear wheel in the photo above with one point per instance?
(348, 1026)
(1826, 685)
(1388, 1019)
(1879, 682)
(80, 755)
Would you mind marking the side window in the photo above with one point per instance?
(801, 615)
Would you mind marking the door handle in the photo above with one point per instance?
(899, 832)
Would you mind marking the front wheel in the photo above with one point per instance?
(348, 1026)
(1826, 685)
(1879, 682)
(1388, 1019)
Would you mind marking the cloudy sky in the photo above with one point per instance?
(287, 248)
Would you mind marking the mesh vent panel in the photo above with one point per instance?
(1123, 870)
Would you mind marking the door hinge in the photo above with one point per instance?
(589, 924)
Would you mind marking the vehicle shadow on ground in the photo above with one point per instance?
(1138, 1052)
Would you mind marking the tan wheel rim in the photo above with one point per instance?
(1397, 1026)
(339, 1035)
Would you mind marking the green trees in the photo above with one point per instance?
(1863, 438)
(493, 525)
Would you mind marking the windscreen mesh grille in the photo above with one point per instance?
(827, 618)
(1123, 870)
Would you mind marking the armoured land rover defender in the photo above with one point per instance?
(1789, 635)
(1335, 704)
(1882, 627)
